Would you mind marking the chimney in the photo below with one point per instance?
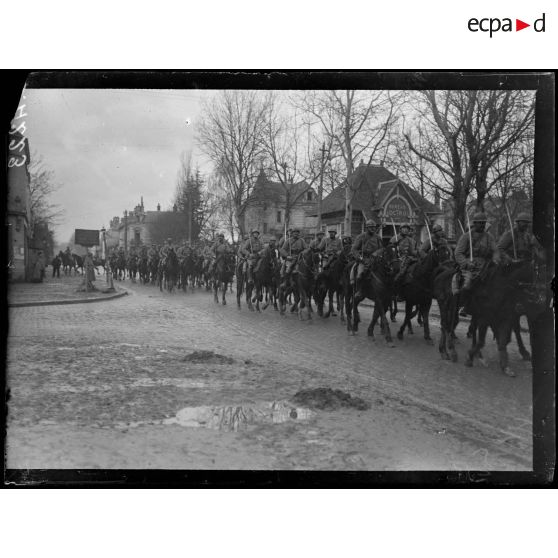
(437, 198)
(141, 203)
(158, 207)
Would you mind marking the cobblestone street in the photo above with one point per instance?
(159, 380)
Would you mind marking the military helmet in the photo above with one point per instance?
(370, 223)
(254, 231)
(271, 239)
(405, 226)
(347, 240)
(523, 216)
(221, 235)
(320, 233)
(296, 231)
(437, 228)
(479, 217)
(334, 231)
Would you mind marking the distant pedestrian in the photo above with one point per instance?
(89, 268)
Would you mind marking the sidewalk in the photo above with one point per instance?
(63, 290)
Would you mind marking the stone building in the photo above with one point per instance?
(18, 215)
(270, 202)
(381, 195)
(140, 227)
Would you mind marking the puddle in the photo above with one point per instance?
(176, 382)
(233, 418)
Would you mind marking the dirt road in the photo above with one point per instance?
(159, 380)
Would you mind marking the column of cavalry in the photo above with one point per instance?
(494, 282)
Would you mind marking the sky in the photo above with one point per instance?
(109, 147)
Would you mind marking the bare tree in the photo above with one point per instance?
(292, 154)
(463, 134)
(230, 133)
(356, 124)
(42, 185)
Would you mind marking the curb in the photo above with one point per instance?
(58, 302)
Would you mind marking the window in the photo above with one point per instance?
(265, 228)
(137, 239)
(309, 195)
(278, 216)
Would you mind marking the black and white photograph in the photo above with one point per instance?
(299, 272)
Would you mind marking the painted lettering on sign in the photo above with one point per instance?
(397, 209)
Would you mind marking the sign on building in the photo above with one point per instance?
(87, 237)
(397, 210)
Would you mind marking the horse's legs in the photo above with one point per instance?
(525, 355)
(373, 322)
(393, 309)
(406, 320)
(504, 337)
(424, 311)
(383, 320)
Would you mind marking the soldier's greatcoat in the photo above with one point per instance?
(366, 244)
(484, 249)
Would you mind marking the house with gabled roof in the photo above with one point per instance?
(381, 195)
(274, 206)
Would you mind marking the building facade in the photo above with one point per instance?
(381, 195)
(274, 207)
(143, 228)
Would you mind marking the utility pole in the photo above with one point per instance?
(126, 231)
(321, 189)
(189, 218)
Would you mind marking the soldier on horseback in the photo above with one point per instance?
(364, 248)
(164, 252)
(519, 244)
(407, 246)
(290, 251)
(250, 251)
(318, 245)
(472, 260)
(284, 239)
(332, 247)
(219, 250)
(437, 240)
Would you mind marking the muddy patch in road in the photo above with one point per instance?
(207, 357)
(327, 399)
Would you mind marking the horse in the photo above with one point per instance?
(329, 283)
(265, 278)
(78, 263)
(223, 275)
(494, 302)
(303, 279)
(143, 270)
(169, 267)
(187, 268)
(153, 266)
(417, 289)
(132, 267)
(376, 286)
(68, 262)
